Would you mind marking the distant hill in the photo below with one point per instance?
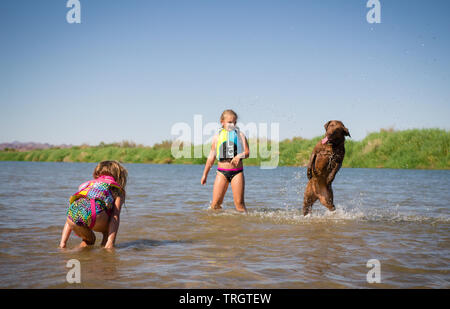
(408, 149)
(18, 146)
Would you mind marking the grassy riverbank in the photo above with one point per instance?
(417, 148)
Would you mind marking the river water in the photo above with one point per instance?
(168, 238)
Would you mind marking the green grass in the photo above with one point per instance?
(409, 149)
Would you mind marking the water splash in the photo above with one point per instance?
(342, 214)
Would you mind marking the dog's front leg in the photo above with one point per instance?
(333, 173)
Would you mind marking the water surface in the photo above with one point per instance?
(169, 239)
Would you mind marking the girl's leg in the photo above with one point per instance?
(88, 236)
(104, 239)
(219, 190)
(65, 234)
(85, 233)
(238, 187)
(102, 226)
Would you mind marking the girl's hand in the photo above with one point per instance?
(203, 181)
(236, 160)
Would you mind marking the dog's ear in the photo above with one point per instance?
(326, 125)
(347, 133)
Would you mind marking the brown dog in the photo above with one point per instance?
(325, 161)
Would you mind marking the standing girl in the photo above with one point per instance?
(229, 147)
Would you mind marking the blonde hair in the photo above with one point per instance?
(228, 112)
(114, 169)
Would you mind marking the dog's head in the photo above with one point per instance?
(335, 132)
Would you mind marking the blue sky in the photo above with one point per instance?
(132, 69)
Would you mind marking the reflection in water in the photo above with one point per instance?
(168, 238)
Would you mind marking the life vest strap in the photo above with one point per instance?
(93, 214)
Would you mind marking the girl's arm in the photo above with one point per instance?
(210, 160)
(65, 235)
(114, 222)
(243, 155)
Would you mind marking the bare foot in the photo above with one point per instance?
(84, 244)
